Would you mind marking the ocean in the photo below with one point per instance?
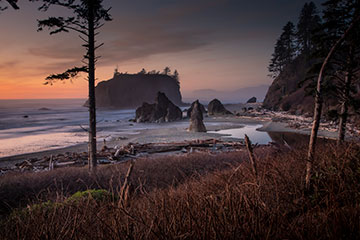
(28, 126)
(37, 125)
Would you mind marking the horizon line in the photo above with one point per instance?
(42, 98)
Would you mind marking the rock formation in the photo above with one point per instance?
(285, 94)
(196, 119)
(131, 90)
(215, 107)
(252, 100)
(291, 92)
(202, 108)
(163, 110)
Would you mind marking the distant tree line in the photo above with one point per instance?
(166, 71)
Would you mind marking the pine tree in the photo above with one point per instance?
(342, 23)
(176, 77)
(143, 71)
(88, 17)
(284, 52)
(309, 22)
(12, 3)
(166, 71)
(338, 14)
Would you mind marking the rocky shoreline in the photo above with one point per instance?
(173, 138)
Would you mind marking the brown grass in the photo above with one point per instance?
(18, 190)
(224, 203)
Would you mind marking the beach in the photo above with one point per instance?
(59, 129)
(175, 132)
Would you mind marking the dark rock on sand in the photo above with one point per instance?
(202, 108)
(252, 100)
(163, 110)
(196, 119)
(215, 107)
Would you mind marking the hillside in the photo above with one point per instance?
(131, 90)
(285, 94)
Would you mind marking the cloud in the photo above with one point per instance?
(140, 45)
(9, 64)
(57, 52)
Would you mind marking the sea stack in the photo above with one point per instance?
(196, 119)
(252, 100)
(163, 110)
(202, 108)
(215, 107)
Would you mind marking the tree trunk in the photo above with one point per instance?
(345, 103)
(318, 105)
(91, 78)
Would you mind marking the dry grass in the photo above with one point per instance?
(224, 203)
(18, 190)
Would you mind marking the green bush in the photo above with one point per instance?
(98, 195)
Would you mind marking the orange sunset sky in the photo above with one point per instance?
(214, 44)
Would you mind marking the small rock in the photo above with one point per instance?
(252, 100)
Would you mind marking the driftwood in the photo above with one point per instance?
(131, 151)
(251, 156)
(124, 193)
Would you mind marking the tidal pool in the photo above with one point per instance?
(248, 129)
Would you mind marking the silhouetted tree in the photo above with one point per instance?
(88, 17)
(116, 72)
(342, 33)
(284, 52)
(166, 71)
(345, 63)
(143, 71)
(176, 77)
(12, 3)
(309, 21)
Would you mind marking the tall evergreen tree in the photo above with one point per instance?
(88, 17)
(176, 77)
(338, 14)
(166, 71)
(284, 52)
(309, 22)
(344, 34)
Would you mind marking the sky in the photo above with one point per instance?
(222, 45)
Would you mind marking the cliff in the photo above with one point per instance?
(284, 94)
(132, 90)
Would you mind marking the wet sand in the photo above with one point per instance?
(170, 132)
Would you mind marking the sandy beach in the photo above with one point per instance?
(174, 132)
(164, 132)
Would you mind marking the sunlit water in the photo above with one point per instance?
(250, 130)
(36, 125)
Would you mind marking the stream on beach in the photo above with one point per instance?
(28, 126)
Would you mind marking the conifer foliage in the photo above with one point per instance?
(295, 41)
(285, 50)
(12, 3)
(88, 17)
(344, 67)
